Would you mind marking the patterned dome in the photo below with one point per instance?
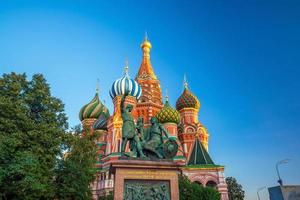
(125, 86)
(93, 109)
(101, 122)
(187, 100)
(168, 114)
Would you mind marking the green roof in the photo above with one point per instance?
(204, 166)
(199, 155)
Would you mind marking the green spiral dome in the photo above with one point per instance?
(168, 114)
(93, 109)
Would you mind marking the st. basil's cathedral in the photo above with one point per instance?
(144, 93)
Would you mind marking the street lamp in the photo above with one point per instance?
(277, 164)
(258, 190)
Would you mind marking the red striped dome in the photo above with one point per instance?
(187, 100)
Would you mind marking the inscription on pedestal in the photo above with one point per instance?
(145, 180)
(147, 174)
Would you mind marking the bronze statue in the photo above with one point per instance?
(151, 141)
(155, 142)
(140, 128)
(129, 129)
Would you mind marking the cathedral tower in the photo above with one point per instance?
(190, 128)
(150, 102)
(170, 118)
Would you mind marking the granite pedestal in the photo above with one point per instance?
(145, 178)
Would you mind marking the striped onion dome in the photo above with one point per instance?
(187, 100)
(168, 114)
(93, 109)
(101, 122)
(125, 86)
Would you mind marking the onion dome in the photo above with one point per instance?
(146, 43)
(187, 99)
(93, 109)
(125, 86)
(168, 114)
(101, 122)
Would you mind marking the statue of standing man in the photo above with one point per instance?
(129, 129)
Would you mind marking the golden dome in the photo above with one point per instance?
(146, 43)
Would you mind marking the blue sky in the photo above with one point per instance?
(241, 59)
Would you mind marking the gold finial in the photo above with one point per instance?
(146, 45)
(97, 86)
(126, 66)
(185, 81)
(167, 96)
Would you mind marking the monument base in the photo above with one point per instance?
(144, 179)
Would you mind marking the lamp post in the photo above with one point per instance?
(277, 164)
(258, 190)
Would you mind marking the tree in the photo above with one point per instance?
(194, 191)
(109, 196)
(76, 170)
(33, 139)
(235, 190)
(32, 125)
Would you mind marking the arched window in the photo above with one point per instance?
(211, 184)
(189, 130)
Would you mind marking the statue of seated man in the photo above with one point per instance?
(155, 141)
(128, 129)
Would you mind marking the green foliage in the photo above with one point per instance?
(33, 138)
(76, 170)
(110, 196)
(32, 125)
(235, 190)
(194, 191)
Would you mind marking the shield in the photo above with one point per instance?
(170, 148)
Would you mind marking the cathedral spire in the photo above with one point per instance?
(146, 46)
(97, 86)
(146, 36)
(185, 83)
(151, 90)
(126, 66)
(146, 70)
(167, 96)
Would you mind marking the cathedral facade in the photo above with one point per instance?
(182, 123)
